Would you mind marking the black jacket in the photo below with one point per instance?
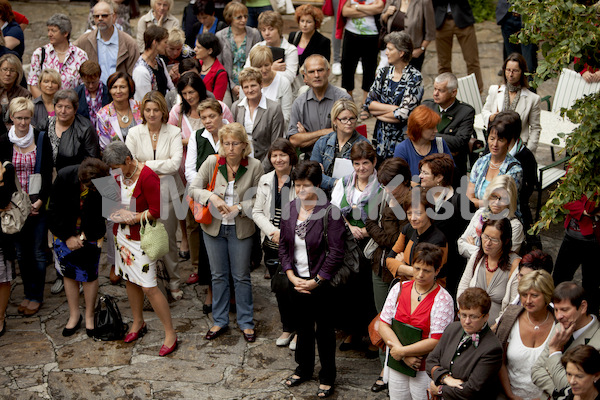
(318, 44)
(77, 143)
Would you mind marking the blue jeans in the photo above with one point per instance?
(229, 255)
(254, 12)
(30, 245)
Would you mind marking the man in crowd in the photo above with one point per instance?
(311, 111)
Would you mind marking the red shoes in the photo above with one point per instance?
(164, 350)
(133, 336)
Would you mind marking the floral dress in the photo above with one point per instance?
(406, 94)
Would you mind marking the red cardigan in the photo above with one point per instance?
(147, 197)
(215, 81)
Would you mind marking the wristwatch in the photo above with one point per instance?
(239, 207)
(318, 281)
(422, 48)
(356, 7)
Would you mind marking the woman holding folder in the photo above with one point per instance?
(418, 311)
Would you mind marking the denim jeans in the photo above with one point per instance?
(254, 12)
(229, 255)
(30, 245)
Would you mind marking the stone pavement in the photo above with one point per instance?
(38, 362)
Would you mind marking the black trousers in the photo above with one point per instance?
(284, 299)
(354, 48)
(314, 317)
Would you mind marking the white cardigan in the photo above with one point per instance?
(263, 205)
(528, 109)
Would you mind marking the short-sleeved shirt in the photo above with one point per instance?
(69, 69)
(406, 151)
(13, 29)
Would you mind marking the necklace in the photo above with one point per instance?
(207, 68)
(537, 327)
(234, 173)
(154, 135)
(488, 268)
(128, 178)
(421, 294)
(124, 117)
(494, 165)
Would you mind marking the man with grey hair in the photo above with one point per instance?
(112, 49)
(311, 111)
(456, 126)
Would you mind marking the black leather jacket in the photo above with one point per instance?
(77, 143)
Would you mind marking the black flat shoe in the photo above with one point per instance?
(89, 332)
(322, 393)
(184, 255)
(207, 308)
(71, 331)
(294, 381)
(376, 388)
(3, 331)
(210, 335)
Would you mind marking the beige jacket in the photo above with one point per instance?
(264, 206)
(247, 180)
(147, 20)
(127, 53)
(169, 150)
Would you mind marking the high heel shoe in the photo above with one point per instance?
(71, 331)
(132, 336)
(164, 350)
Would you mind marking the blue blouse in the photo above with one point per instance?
(479, 171)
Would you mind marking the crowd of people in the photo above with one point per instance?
(226, 113)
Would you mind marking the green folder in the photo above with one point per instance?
(407, 335)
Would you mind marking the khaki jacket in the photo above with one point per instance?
(128, 53)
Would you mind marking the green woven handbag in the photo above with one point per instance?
(154, 238)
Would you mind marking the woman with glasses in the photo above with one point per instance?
(11, 74)
(236, 42)
(494, 268)
(338, 143)
(93, 94)
(466, 361)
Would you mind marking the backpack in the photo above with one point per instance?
(350, 264)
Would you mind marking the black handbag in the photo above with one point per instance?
(108, 324)
(279, 281)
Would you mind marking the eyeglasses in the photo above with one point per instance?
(22, 119)
(234, 144)
(492, 240)
(510, 71)
(350, 120)
(494, 197)
(425, 173)
(473, 318)
(240, 17)
(104, 16)
(8, 70)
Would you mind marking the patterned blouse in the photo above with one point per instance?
(407, 95)
(106, 129)
(238, 55)
(69, 69)
(479, 171)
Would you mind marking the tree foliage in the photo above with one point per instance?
(565, 30)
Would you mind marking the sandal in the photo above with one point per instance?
(377, 387)
(322, 393)
(177, 294)
(294, 381)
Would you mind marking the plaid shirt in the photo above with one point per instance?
(24, 166)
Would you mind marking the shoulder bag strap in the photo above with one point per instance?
(211, 186)
(440, 145)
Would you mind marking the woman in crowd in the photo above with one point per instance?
(420, 229)
(310, 262)
(212, 71)
(140, 191)
(206, 20)
(497, 162)
(423, 304)
(159, 15)
(353, 195)
(203, 143)
(228, 239)
(501, 199)
(361, 37)
(73, 138)
(523, 331)
(75, 219)
(436, 175)
(43, 106)
(93, 94)
(515, 95)
(262, 118)
(236, 42)
(273, 86)
(176, 52)
(338, 143)
(270, 25)
(150, 71)
(58, 55)
(421, 130)
(416, 18)
(494, 267)
(384, 231)
(466, 361)
(12, 32)
(122, 113)
(396, 91)
(7, 256)
(582, 364)
(11, 74)
(23, 148)
(275, 191)
(158, 145)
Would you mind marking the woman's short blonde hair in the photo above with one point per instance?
(153, 2)
(14, 62)
(272, 19)
(176, 37)
(341, 105)
(504, 183)
(20, 104)
(260, 55)
(232, 9)
(236, 131)
(155, 96)
(540, 281)
(250, 74)
(53, 74)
